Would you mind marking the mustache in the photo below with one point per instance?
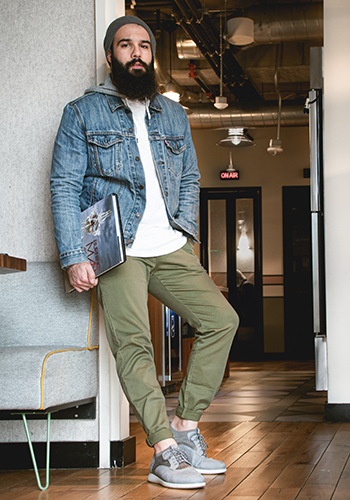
(136, 60)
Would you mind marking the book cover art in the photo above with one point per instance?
(102, 236)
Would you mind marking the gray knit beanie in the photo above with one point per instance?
(118, 23)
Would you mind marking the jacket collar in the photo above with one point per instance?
(115, 98)
(115, 102)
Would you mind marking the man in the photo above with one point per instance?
(124, 137)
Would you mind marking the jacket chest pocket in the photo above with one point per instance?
(175, 147)
(105, 150)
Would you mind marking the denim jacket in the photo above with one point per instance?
(96, 153)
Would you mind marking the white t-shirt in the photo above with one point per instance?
(154, 236)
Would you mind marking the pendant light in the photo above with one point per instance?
(221, 101)
(275, 145)
(171, 90)
(240, 31)
(237, 137)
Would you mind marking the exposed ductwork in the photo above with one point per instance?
(200, 28)
(287, 22)
(248, 116)
(272, 24)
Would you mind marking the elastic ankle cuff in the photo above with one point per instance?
(188, 414)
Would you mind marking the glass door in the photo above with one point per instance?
(231, 252)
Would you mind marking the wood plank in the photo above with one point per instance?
(145, 491)
(20, 478)
(342, 491)
(327, 473)
(272, 468)
(221, 485)
(260, 480)
(276, 410)
(239, 439)
(289, 482)
(325, 431)
(238, 448)
(226, 439)
(18, 485)
(9, 264)
(269, 460)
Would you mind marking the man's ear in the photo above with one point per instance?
(109, 57)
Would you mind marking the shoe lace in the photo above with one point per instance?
(178, 454)
(201, 442)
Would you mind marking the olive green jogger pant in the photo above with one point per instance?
(180, 282)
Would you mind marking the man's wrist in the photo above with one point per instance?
(70, 258)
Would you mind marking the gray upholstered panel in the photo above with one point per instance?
(35, 310)
(81, 382)
(68, 376)
(38, 318)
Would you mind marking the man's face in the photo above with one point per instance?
(131, 63)
(132, 42)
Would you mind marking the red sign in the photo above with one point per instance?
(229, 174)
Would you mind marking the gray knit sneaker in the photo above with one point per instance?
(193, 444)
(172, 470)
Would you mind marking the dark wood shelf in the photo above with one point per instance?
(10, 264)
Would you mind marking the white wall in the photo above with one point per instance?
(337, 198)
(48, 54)
(48, 58)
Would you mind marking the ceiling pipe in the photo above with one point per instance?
(244, 115)
(273, 24)
(201, 29)
(287, 22)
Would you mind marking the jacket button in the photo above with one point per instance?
(128, 241)
(131, 129)
(127, 111)
(138, 215)
(137, 158)
(141, 187)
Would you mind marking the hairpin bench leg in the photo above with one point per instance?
(32, 451)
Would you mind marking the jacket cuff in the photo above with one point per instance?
(74, 257)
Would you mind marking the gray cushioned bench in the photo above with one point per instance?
(48, 350)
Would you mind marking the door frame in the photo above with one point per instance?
(207, 194)
(295, 349)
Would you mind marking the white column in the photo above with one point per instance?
(337, 194)
(104, 397)
(113, 406)
(114, 421)
(105, 12)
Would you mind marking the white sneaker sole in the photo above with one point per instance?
(152, 478)
(211, 471)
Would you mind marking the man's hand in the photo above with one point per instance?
(82, 276)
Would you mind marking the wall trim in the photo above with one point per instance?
(66, 455)
(123, 452)
(337, 412)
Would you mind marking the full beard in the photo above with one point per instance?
(135, 84)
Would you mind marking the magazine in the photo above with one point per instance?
(102, 237)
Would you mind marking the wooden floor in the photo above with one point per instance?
(267, 458)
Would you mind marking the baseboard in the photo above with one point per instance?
(66, 455)
(123, 452)
(336, 412)
(63, 455)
